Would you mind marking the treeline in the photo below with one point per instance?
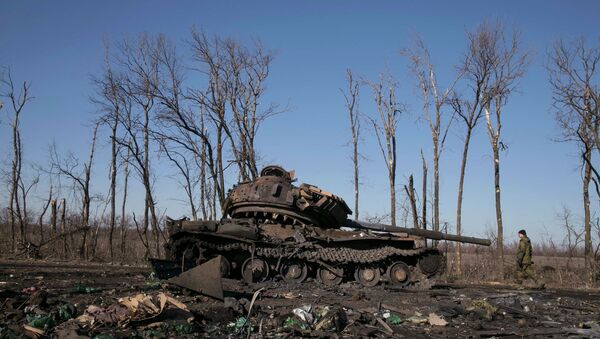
(205, 127)
(487, 76)
(200, 104)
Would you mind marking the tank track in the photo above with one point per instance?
(315, 254)
(342, 255)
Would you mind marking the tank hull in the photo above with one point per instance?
(294, 255)
(275, 229)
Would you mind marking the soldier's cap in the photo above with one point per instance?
(522, 232)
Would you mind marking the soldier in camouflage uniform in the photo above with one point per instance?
(524, 263)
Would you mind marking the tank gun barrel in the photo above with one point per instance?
(418, 232)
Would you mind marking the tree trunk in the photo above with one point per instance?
(500, 242)
(85, 223)
(113, 187)
(393, 201)
(203, 193)
(461, 180)
(355, 158)
(13, 231)
(424, 207)
(410, 192)
(53, 217)
(42, 214)
(220, 174)
(15, 207)
(124, 203)
(436, 187)
(586, 212)
(63, 221)
(146, 223)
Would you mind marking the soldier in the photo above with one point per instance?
(524, 263)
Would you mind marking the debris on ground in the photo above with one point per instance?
(482, 307)
(140, 307)
(333, 319)
(391, 318)
(29, 290)
(303, 313)
(120, 305)
(436, 320)
(417, 318)
(81, 288)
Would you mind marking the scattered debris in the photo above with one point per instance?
(303, 313)
(387, 329)
(38, 298)
(81, 288)
(436, 320)
(66, 312)
(261, 310)
(417, 318)
(292, 295)
(392, 318)
(35, 331)
(334, 319)
(41, 321)
(29, 290)
(487, 309)
(128, 309)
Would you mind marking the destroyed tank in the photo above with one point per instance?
(273, 228)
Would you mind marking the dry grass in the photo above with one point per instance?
(554, 269)
(556, 266)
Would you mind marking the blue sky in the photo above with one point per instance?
(58, 46)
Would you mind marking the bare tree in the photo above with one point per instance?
(439, 120)
(351, 97)
(212, 62)
(477, 67)
(17, 100)
(204, 122)
(509, 62)
(572, 68)
(573, 235)
(188, 181)
(81, 176)
(109, 98)
(137, 62)
(247, 73)
(389, 110)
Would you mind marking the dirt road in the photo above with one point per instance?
(280, 310)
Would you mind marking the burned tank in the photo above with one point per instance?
(274, 228)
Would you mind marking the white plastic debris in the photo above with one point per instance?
(304, 313)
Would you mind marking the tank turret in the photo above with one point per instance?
(273, 197)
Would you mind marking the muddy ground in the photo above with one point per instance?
(62, 308)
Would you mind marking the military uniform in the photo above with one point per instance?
(524, 263)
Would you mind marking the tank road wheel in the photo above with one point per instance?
(189, 255)
(431, 264)
(399, 273)
(330, 277)
(293, 271)
(255, 270)
(367, 275)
